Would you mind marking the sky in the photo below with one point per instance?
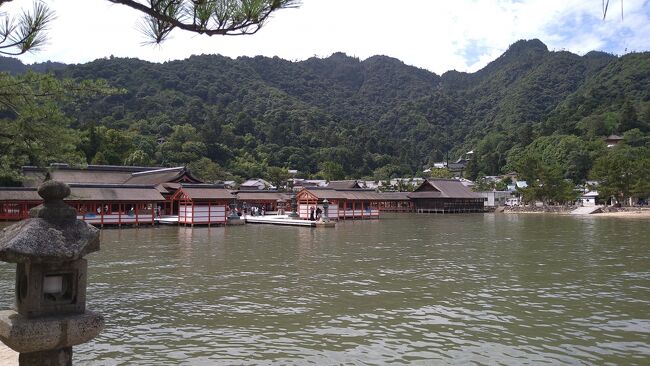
(437, 35)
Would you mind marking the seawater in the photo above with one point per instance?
(404, 289)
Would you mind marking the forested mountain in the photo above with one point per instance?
(340, 116)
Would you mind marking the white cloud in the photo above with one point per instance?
(436, 35)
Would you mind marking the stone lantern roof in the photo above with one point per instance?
(51, 234)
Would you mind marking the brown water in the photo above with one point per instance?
(406, 289)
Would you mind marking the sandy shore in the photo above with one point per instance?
(7, 356)
(630, 214)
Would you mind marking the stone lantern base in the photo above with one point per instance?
(323, 223)
(237, 221)
(48, 340)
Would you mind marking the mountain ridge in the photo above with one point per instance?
(366, 115)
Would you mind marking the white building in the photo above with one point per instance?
(256, 183)
(588, 199)
(495, 198)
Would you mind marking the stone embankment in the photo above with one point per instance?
(632, 211)
(637, 209)
(542, 209)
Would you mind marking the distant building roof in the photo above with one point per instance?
(255, 183)
(19, 194)
(297, 182)
(205, 192)
(88, 192)
(457, 166)
(442, 188)
(613, 140)
(394, 196)
(113, 193)
(343, 184)
(106, 174)
(164, 175)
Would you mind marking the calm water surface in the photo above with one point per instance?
(406, 289)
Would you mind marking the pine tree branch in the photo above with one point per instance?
(230, 17)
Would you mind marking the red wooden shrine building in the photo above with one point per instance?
(98, 204)
(202, 204)
(343, 204)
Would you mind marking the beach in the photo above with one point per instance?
(627, 214)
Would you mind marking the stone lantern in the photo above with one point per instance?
(233, 210)
(324, 220)
(50, 307)
(294, 206)
(326, 205)
(233, 218)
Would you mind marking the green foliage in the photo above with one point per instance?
(33, 128)
(27, 33)
(330, 170)
(546, 183)
(208, 171)
(572, 155)
(439, 173)
(387, 172)
(277, 176)
(377, 118)
(623, 172)
(482, 185)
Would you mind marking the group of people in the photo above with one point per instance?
(315, 213)
(257, 211)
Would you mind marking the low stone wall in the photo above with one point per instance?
(637, 209)
(535, 209)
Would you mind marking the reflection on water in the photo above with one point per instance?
(406, 289)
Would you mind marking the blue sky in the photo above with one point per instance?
(437, 35)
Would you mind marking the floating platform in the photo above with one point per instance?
(285, 220)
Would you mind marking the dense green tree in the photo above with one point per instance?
(139, 158)
(183, 146)
(33, 129)
(277, 176)
(38, 136)
(636, 138)
(439, 173)
(572, 155)
(490, 155)
(629, 118)
(387, 172)
(331, 170)
(115, 147)
(622, 172)
(207, 170)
